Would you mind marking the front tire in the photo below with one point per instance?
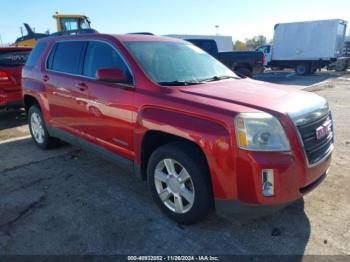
(38, 129)
(179, 180)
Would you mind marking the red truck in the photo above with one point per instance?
(12, 60)
(202, 137)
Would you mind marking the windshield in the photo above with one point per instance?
(170, 63)
(69, 24)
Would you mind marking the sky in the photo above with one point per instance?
(237, 18)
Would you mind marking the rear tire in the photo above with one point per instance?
(303, 69)
(340, 67)
(38, 129)
(243, 72)
(179, 180)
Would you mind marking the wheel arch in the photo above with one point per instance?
(153, 139)
(243, 65)
(29, 101)
(157, 126)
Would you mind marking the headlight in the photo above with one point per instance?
(260, 132)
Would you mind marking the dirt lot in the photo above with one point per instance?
(68, 201)
(289, 77)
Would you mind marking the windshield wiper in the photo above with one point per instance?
(217, 78)
(178, 83)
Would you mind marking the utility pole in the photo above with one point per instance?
(217, 29)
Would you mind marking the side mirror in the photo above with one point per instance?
(112, 75)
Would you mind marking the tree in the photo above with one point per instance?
(240, 46)
(254, 42)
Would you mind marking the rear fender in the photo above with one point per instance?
(37, 90)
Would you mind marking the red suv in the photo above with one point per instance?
(11, 61)
(201, 136)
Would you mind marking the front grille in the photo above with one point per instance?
(316, 149)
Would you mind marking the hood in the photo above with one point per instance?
(301, 106)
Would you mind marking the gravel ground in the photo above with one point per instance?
(68, 201)
(13, 124)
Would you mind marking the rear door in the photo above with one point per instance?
(67, 96)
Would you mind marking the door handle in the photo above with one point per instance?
(46, 78)
(81, 86)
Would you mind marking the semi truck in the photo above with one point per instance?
(343, 62)
(305, 46)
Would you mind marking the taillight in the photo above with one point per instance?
(261, 60)
(4, 76)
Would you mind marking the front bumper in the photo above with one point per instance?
(245, 211)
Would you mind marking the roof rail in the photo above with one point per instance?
(76, 32)
(141, 33)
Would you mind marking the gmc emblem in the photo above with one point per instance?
(323, 130)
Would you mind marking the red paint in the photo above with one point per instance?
(10, 81)
(105, 113)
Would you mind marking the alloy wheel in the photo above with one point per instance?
(174, 186)
(37, 128)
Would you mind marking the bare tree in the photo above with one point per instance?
(254, 42)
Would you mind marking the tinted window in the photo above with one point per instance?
(13, 58)
(67, 57)
(101, 55)
(50, 58)
(33, 60)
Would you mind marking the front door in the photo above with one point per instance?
(110, 105)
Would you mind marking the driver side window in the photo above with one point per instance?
(101, 55)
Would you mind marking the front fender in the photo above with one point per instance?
(212, 137)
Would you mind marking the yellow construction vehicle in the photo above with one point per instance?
(66, 24)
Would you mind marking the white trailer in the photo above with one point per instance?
(224, 43)
(306, 46)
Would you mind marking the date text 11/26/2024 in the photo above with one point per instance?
(173, 258)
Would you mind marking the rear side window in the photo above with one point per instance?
(101, 55)
(66, 57)
(33, 60)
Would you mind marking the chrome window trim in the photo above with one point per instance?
(87, 77)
